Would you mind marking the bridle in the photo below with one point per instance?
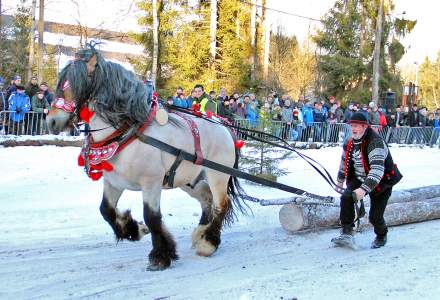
(69, 106)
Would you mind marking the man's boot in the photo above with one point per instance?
(345, 239)
(379, 241)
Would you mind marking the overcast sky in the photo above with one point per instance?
(121, 15)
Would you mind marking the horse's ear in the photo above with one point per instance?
(91, 64)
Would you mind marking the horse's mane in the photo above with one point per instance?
(119, 96)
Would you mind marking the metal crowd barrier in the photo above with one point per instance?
(34, 123)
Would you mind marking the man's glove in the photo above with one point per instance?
(358, 194)
(18, 110)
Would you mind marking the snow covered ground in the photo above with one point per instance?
(54, 243)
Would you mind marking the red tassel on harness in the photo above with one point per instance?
(86, 114)
(239, 144)
(196, 107)
(209, 114)
(81, 160)
(106, 166)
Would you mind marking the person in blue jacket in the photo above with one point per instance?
(19, 105)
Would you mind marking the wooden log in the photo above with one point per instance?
(294, 218)
(41, 141)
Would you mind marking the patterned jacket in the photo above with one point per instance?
(368, 160)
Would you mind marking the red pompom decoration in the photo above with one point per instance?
(86, 114)
(95, 175)
(81, 160)
(239, 144)
(209, 114)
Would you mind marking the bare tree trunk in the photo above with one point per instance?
(213, 42)
(266, 50)
(363, 38)
(377, 47)
(262, 32)
(40, 41)
(155, 43)
(253, 31)
(213, 31)
(32, 43)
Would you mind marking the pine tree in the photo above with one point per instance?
(15, 50)
(262, 159)
(50, 67)
(346, 44)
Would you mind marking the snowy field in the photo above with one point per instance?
(54, 243)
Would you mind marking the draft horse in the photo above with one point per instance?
(114, 103)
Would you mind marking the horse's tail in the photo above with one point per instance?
(236, 195)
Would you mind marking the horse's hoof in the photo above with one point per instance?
(205, 248)
(156, 267)
(143, 230)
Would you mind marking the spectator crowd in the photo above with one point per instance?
(295, 115)
(19, 99)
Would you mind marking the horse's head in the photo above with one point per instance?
(73, 91)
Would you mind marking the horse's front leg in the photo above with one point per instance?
(123, 224)
(164, 246)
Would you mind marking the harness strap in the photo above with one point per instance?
(169, 177)
(196, 134)
(227, 170)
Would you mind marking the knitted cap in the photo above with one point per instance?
(358, 118)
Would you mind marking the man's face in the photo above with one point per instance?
(34, 81)
(246, 99)
(43, 87)
(17, 81)
(179, 92)
(20, 91)
(199, 92)
(358, 130)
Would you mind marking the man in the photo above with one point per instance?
(19, 105)
(47, 94)
(179, 98)
(368, 168)
(211, 104)
(32, 87)
(201, 98)
(42, 107)
(16, 80)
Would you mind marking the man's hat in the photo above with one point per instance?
(20, 87)
(16, 77)
(358, 118)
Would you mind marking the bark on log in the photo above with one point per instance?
(41, 142)
(294, 218)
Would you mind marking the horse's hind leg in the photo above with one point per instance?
(210, 234)
(164, 247)
(202, 192)
(123, 225)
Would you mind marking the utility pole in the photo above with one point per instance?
(32, 43)
(376, 61)
(40, 41)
